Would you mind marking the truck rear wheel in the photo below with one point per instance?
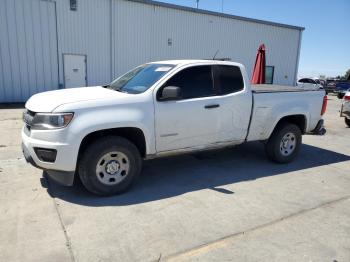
(284, 143)
(340, 95)
(109, 166)
(347, 121)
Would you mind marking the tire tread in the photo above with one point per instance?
(272, 146)
(88, 159)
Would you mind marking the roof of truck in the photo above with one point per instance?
(194, 61)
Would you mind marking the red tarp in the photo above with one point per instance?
(259, 68)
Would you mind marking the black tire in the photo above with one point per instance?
(347, 121)
(274, 148)
(89, 161)
(340, 95)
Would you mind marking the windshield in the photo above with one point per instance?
(140, 78)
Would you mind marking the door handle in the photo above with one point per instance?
(211, 106)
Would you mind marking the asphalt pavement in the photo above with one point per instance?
(225, 205)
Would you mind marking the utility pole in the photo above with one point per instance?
(222, 6)
(197, 1)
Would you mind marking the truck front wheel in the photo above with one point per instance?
(109, 166)
(284, 143)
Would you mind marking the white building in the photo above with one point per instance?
(51, 44)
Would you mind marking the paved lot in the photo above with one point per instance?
(218, 206)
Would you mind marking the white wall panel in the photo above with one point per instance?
(132, 35)
(117, 35)
(142, 30)
(87, 32)
(6, 72)
(28, 49)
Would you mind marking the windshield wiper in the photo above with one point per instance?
(115, 89)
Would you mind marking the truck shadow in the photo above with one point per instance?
(173, 176)
(12, 105)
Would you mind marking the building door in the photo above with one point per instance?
(74, 70)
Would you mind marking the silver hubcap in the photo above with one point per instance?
(112, 168)
(287, 145)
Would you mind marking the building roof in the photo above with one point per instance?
(201, 11)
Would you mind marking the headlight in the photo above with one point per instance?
(51, 121)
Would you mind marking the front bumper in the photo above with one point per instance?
(62, 177)
(62, 170)
(28, 157)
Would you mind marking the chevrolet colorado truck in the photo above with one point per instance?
(103, 133)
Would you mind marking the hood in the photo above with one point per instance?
(48, 101)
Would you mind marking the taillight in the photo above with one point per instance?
(324, 105)
(347, 98)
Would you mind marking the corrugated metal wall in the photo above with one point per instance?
(86, 32)
(117, 35)
(132, 35)
(141, 34)
(28, 49)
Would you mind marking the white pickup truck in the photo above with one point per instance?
(103, 133)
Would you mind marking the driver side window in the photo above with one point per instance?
(194, 82)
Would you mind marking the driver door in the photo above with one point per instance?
(193, 120)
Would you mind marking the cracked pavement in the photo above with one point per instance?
(228, 205)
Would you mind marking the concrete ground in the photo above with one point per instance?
(229, 205)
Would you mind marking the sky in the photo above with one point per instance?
(325, 47)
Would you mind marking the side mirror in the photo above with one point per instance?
(171, 93)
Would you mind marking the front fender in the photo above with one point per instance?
(86, 123)
(92, 116)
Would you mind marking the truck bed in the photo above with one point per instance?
(265, 88)
(273, 102)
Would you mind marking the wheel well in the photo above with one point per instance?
(133, 134)
(299, 120)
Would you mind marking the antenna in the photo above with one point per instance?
(215, 54)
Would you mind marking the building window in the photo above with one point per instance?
(73, 5)
(269, 72)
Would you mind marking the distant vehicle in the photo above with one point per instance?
(345, 108)
(321, 82)
(330, 85)
(341, 87)
(309, 83)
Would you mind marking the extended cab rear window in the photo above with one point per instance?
(228, 79)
